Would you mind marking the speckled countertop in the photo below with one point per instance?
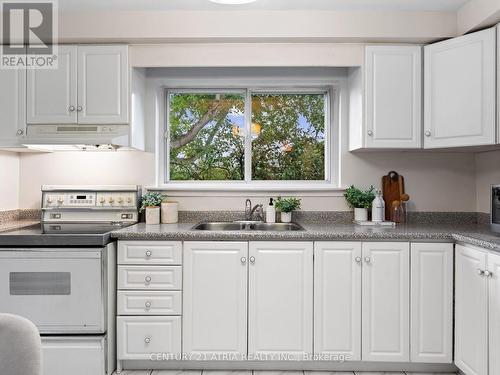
(478, 235)
(17, 224)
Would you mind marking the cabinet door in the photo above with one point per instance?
(393, 96)
(337, 299)
(386, 302)
(281, 299)
(494, 313)
(52, 92)
(432, 302)
(103, 84)
(471, 311)
(215, 297)
(459, 95)
(12, 107)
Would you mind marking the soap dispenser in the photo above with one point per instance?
(271, 212)
(378, 208)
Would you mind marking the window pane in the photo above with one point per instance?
(206, 140)
(288, 132)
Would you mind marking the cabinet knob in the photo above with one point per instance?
(488, 274)
(20, 132)
(480, 272)
(427, 133)
(243, 260)
(147, 340)
(147, 304)
(370, 132)
(71, 108)
(79, 108)
(147, 279)
(148, 253)
(358, 259)
(252, 260)
(368, 259)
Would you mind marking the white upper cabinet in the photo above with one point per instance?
(393, 97)
(280, 315)
(459, 94)
(52, 93)
(89, 86)
(471, 311)
(215, 298)
(12, 107)
(386, 302)
(432, 302)
(337, 299)
(103, 84)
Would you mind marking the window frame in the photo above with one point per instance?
(332, 142)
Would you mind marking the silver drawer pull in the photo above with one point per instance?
(252, 260)
(147, 279)
(358, 259)
(487, 273)
(148, 253)
(367, 259)
(243, 260)
(147, 340)
(147, 304)
(480, 272)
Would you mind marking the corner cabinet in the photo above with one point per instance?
(477, 305)
(460, 88)
(391, 88)
(12, 107)
(89, 86)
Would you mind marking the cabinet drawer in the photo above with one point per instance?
(155, 277)
(150, 252)
(138, 336)
(136, 302)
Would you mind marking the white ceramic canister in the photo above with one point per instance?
(361, 214)
(286, 217)
(169, 212)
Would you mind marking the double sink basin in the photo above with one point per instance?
(248, 226)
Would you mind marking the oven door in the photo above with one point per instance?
(60, 290)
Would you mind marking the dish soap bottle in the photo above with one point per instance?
(378, 208)
(271, 212)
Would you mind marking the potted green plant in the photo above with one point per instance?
(360, 200)
(150, 202)
(286, 206)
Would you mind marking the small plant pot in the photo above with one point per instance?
(286, 217)
(169, 212)
(361, 214)
(152, 215)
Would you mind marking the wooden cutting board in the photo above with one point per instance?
(393, 189)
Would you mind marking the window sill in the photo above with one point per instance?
(332, 190)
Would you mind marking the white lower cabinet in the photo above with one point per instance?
(477, 311)
(337, 299)
(386, 302)
(431, 302)
(280, 315)
(215, 298)
(140, 337)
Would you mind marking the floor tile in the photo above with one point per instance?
(135, 372)
(176, 372)
(228, 372)
(278, 373)
(379, 373)
(431, 373)
(328, 373)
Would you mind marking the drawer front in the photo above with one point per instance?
(155, 277)
(135, 302)
(150, 252)
(138, 336)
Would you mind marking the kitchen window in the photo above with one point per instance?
(249, 137)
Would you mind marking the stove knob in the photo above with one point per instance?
(49, 200)
(102, 200)
(60, 200)
(111, 200)
(129, 200)
(120, 200)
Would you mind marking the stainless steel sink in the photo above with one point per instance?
(248, 226)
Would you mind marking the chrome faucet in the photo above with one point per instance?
(249, 211)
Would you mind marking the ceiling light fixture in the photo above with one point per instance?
(232, 2)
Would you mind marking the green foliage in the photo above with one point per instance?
(288, 204)
(357, 198)
(289, 146)
(151, 199)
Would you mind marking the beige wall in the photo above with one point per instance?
(9, 181)
(487, 165)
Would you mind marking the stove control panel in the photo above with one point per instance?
(90, 199)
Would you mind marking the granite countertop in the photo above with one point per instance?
(478, 235)
(17, 224)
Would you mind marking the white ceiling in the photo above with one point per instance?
(353, 5)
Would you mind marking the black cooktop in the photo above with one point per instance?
(60, 235)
